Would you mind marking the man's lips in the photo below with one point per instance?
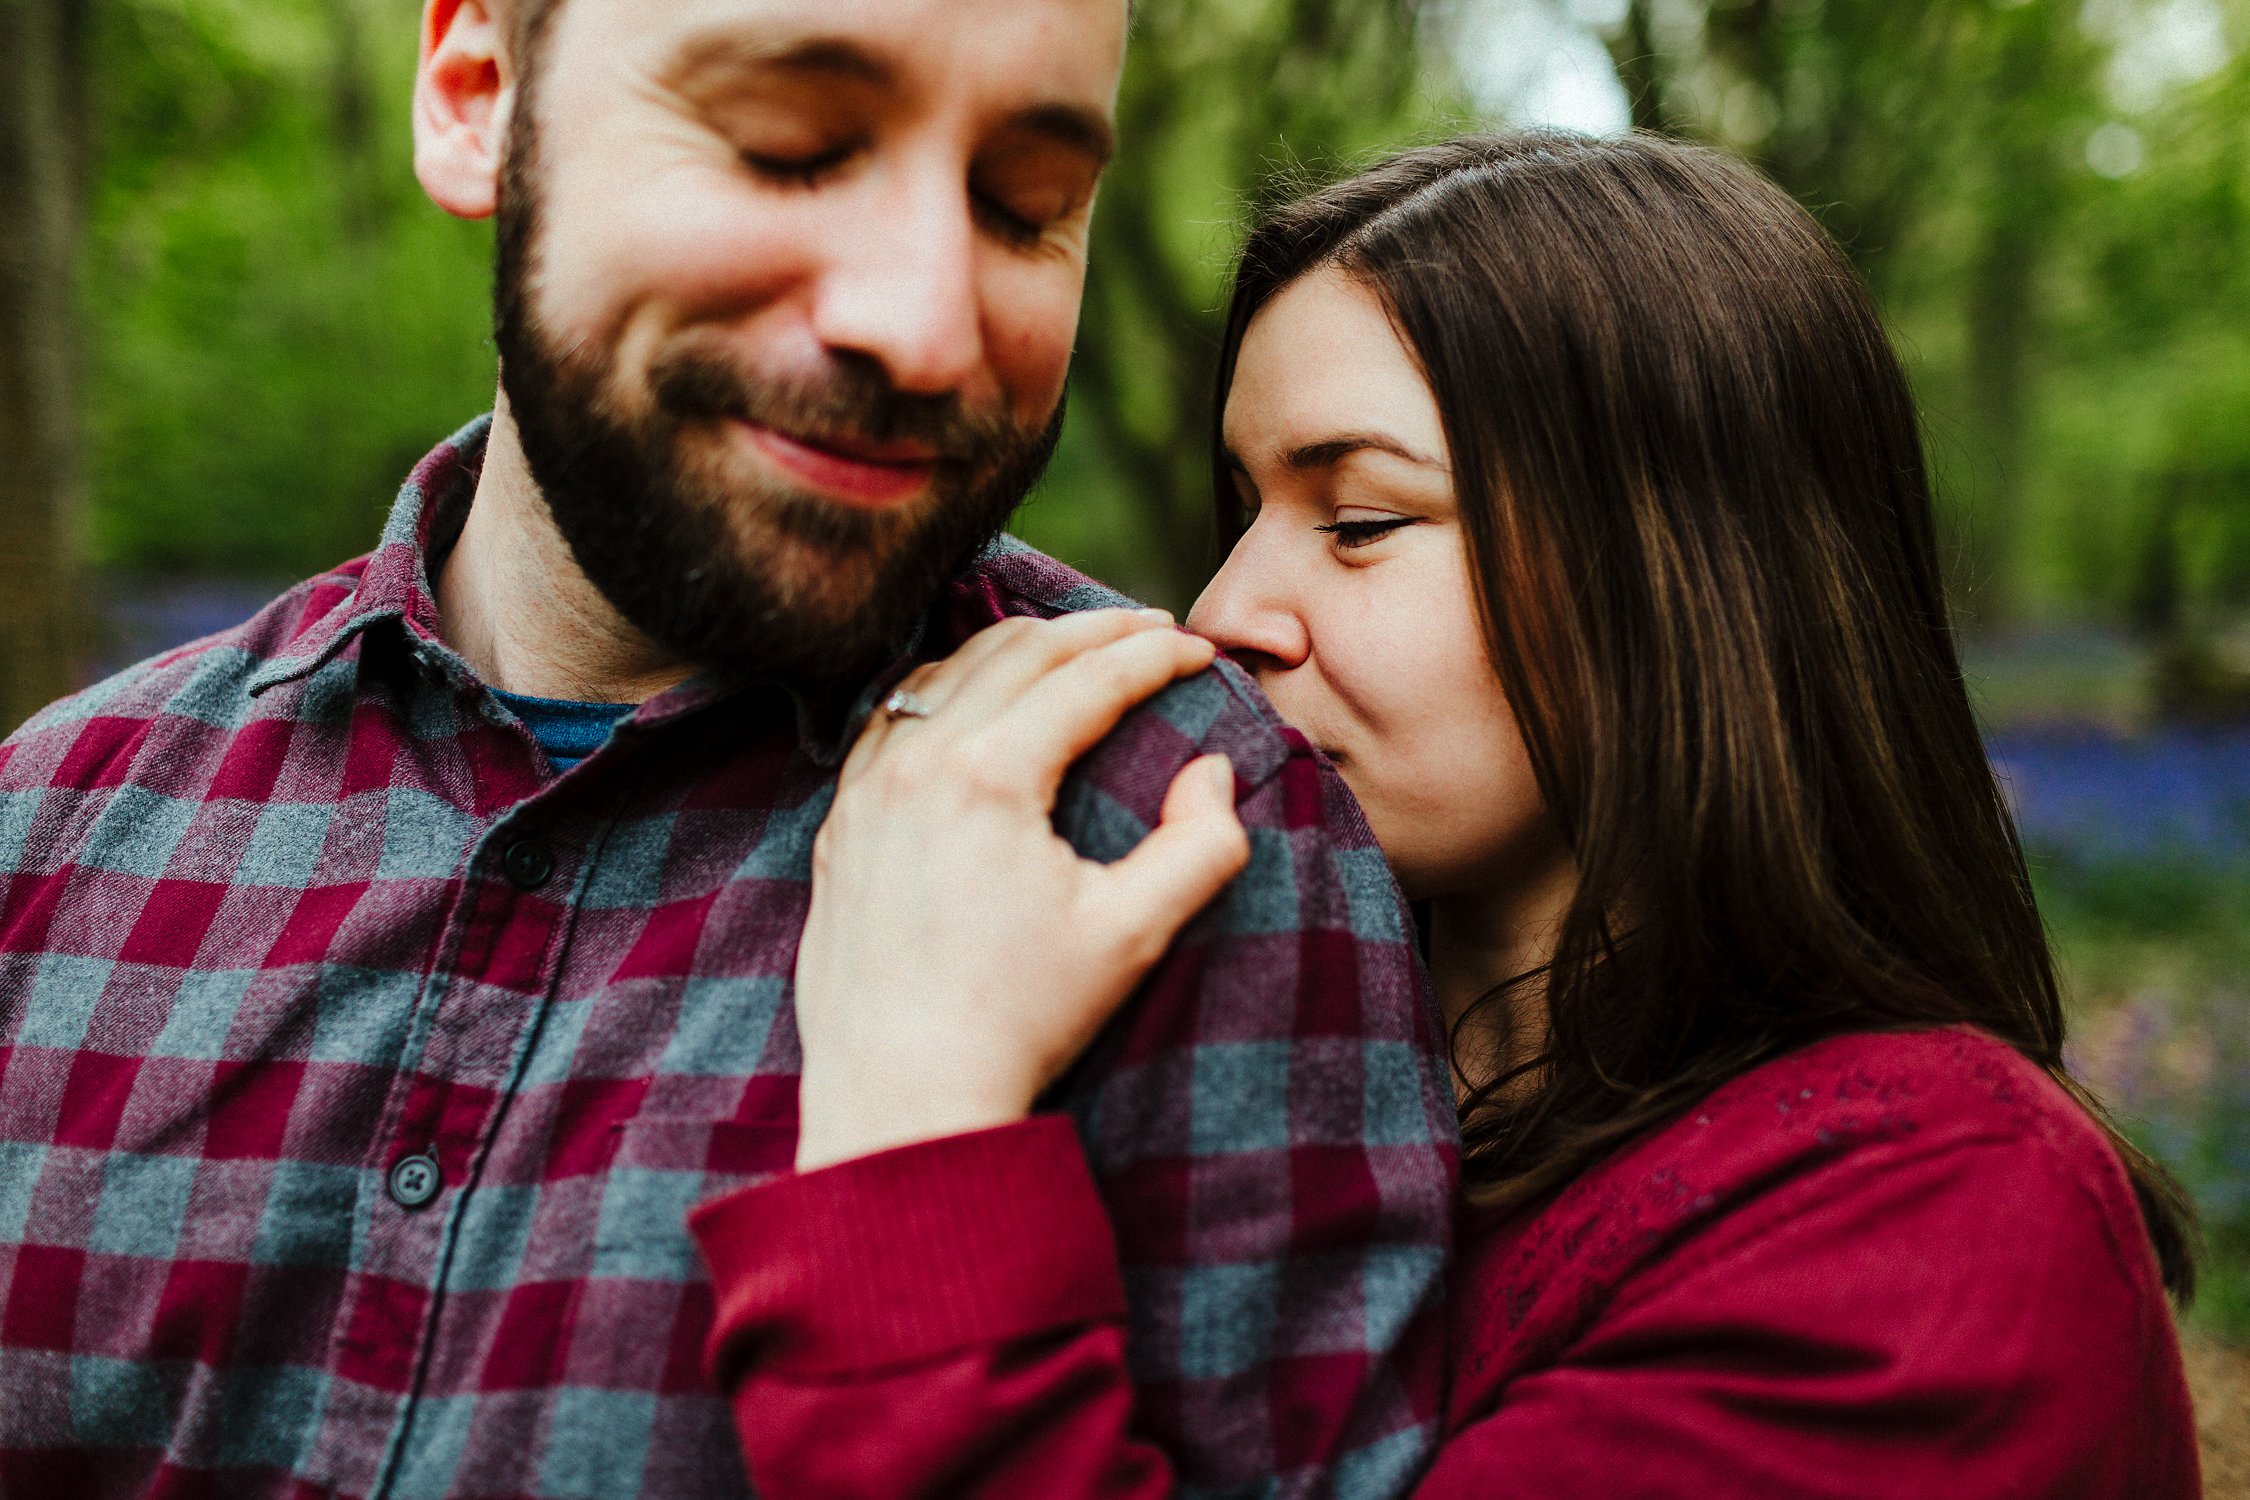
(872, 476)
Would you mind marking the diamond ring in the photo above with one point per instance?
(905, 705)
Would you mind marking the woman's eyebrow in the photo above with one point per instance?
(1329, 452)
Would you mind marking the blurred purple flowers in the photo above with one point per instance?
(2092, 791)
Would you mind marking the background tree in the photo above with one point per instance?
(43, 113)
(1223, 101)
(1914, 128)
(278, 323)
(282, 323)
(2143, 434)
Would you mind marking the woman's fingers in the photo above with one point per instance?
(921, 682)
(1198, 845)
(1068, 710)
(997, 664)
(970, 690)
(976, 999)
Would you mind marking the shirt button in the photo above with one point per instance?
(528, 863)
(415, 1180)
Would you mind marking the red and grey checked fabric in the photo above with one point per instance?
(291, 905)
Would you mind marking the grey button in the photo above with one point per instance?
(528, 863)
(415, 1180)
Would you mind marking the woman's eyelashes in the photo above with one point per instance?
(1352, 534)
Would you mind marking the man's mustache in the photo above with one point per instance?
(852, 403)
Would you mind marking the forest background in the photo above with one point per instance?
(229, 323)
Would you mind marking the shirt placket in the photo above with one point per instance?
(493, 968)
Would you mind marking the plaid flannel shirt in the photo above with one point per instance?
(357, 1074)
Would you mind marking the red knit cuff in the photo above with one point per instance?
(909, 1254)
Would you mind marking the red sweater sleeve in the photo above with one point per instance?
(1973, 1317)
(1946, 1308)
(942, 1319)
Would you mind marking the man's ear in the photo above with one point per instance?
(463, 93)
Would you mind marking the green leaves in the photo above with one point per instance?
(1223, 101)
(279, 323)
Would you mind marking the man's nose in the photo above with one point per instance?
(1251, 609)
(902, 289)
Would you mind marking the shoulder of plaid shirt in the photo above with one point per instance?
(1888, 1264)
(288, 905)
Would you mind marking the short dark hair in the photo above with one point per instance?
(1699, 520)
(528, 22)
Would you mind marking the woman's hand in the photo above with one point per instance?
(958, 954)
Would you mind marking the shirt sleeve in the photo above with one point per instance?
(941, 1319)
(1970, 1318)
(1268, 1128)
(1271, 1126)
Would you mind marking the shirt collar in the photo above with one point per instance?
(426, 519)
(394, 582)
(827, 721)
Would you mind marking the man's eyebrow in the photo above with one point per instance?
(709, 55)
(727, 51)
(1329, 452)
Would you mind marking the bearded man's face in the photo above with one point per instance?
(785, 298)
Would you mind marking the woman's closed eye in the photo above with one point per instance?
(1358, 533)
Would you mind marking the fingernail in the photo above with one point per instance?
(1161, 616)
(1221, 772)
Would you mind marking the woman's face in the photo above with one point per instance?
(1349, 596)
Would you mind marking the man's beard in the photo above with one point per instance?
(707, 557)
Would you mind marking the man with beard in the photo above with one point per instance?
(384, 981)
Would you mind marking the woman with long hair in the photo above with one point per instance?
(1577, 511)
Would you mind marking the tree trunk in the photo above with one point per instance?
(2000, 317)
(1143, 373)
(352, 108)
(1640, 67)
(42, 177)
(2022, 212)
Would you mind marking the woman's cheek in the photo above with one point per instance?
(1457, 797)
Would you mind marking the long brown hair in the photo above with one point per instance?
(1699, 520)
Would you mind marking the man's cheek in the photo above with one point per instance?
(643, 260)
(1032, 349)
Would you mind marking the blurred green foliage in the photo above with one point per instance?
(280, 323)
(1224, 103)
(2157, 952)
(2051, 199)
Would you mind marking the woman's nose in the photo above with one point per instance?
(1250, 611)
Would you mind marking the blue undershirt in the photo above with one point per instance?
(568, 732)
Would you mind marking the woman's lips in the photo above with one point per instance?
(870, 476)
